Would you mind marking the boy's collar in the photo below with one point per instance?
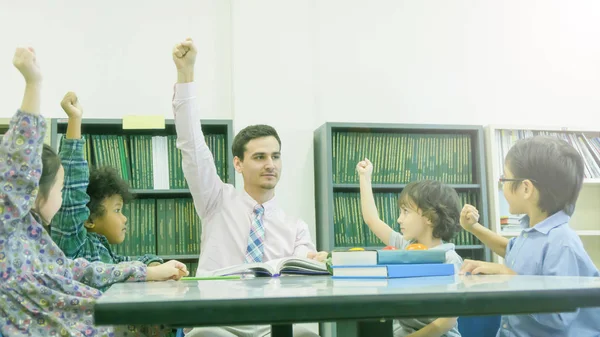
(553, 221)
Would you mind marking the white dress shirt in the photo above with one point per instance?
(226, 212)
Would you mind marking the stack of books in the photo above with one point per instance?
(390, 264)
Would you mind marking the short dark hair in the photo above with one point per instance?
(554, 167)
(50, 166)
(105, 181)
(438, 202)
(249, 133)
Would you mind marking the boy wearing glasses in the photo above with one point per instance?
(543, 177)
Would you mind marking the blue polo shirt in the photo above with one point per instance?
(550, 248)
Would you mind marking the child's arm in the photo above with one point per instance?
(367, 203)
(436, 328)
(468, 220)
(21, 148)
(25, 61)
(100, 275)
(147, 259)
(68, 229)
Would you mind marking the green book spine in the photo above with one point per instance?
(171, 219)
(161, 217)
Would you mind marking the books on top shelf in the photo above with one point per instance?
(588, 147)
(274, 268)
(148, 162)
(400, 158)
(390, 264)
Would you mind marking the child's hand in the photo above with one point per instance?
(25, 61)
(171, 270)
(71, 105)
(320, 256)
(469, 216)
(365, 168)
(488, 268)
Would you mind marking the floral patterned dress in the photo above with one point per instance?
(43, 293)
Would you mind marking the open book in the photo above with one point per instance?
(277, 267)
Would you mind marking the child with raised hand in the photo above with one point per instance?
(542, 178)
(90, 218)
(429, 215)
(42, 292)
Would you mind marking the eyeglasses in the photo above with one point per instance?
(503, 180)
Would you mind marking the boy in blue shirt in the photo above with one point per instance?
(542, 179)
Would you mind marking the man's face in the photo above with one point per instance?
(261, 166)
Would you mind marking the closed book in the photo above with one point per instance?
(394, 270)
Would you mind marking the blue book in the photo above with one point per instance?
(394, 270)
(411, 256)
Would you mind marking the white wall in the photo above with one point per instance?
(296, 64)
(465, 61)
(116, 54)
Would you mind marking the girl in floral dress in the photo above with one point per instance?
(43, 293)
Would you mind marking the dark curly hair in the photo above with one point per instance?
(105, 181)
(247, 134)
(438, 202)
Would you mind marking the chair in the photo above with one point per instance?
(478, 326)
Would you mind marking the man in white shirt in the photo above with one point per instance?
(237, 226)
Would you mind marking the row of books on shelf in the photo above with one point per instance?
(588, 147)
(161, 227)
(351, 231)
(401, 158)
(149, 162)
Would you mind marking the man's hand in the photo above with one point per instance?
(365, 168)
(320, 256)
(71, 106)
(487, 268)
(25, 61)
(184, 56)
(154, 264)
(171, 270)
(469, 216)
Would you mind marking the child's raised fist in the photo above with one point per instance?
(469, 216)
(71, 105)
(365, 167)
(25, 61)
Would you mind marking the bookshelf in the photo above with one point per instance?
(449, 153)
(161, 219)
(499, 138)
(392, 148)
